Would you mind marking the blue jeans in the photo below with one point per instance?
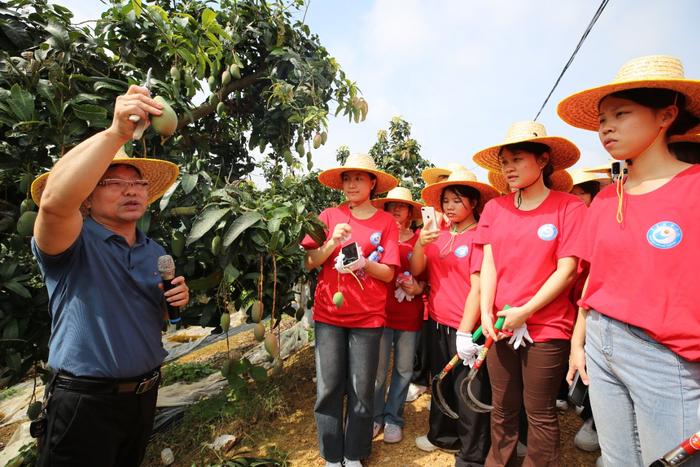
(404, 343)
(346, 365)
(644, 396)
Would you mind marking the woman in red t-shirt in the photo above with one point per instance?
(527, 238)
(638, 315)
(404, 310)
(452, 263)
(349, 307)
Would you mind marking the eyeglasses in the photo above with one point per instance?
(122, 185)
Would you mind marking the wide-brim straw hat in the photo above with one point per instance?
(400, 195)
(561, 181)
(653, 71)
(333, 178)
(691, 136)
(159, 173)
(585, 175)
(431, 194)
(431, 174)
(562, 152)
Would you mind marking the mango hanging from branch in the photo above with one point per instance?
(165, 124)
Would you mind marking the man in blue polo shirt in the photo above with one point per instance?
(105, 294)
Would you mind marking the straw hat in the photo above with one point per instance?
(431, 194)
(159, 173)
(430, 175)
(562, 152)
(691, 136)
(561, 181)
(399, 195)
(584, 175)
(653, 71)
(333, 178)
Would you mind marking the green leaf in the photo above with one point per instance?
(90, 113)
(17, 288)
(238, 226)
(189, 181)
(21, 103)
(258, 373)
(208, 18)
(205, 221)
(136, 5)
(59, 36)
(231, 273)
(11, 330)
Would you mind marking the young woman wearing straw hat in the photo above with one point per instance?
(586, 185)
(527, 238)
(638, 315)
(452, 263)
(404, 310)
(349, 307)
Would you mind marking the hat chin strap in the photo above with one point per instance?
(519, 201)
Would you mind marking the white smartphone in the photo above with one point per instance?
(428, 214)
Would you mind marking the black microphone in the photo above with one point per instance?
(166, 268)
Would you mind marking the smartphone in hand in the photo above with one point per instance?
(578, 390)
(428, 214)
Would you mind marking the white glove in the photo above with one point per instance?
(520, 335)
(467, 349)
(400, 294)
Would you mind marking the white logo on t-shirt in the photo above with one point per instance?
(547, 232)
(664, 235)
(462, 251)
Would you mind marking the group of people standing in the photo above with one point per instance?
(595, 286)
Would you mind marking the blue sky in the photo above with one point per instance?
(461, 71)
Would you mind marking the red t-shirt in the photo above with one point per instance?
(448, 275)
(362, 308)
(526, 246)
(643, 271)
(404, 316)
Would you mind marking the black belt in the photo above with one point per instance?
(138, 385)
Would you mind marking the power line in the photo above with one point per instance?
(597, 14)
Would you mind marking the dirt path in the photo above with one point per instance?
(294, 432)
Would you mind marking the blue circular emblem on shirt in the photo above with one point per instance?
(547, 232)
(376, 238)
(462, 251)
(664, 235)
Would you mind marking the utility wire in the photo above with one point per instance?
(597, 14)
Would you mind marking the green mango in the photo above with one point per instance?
(27, 205)
(177, 244)
(271, 345)
(256, 313)
(25, 223)
(216, 245)
(175, 73)
(226, 368)
(221, 109)
(338, 299)
(225, 322)
(318, 140)
(225, 78)
(235, 71)
(212, 83)
(259, 332)
(34, 410)
(166, 123)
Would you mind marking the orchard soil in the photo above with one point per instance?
(289, 432)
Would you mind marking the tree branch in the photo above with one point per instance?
(206, 108)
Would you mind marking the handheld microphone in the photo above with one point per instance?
(166, 268)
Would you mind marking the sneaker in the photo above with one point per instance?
(349, 463)
(376, 429)
(415, 391)
(424, 444)
(334, 464)
(587, 437)
(599, 462)
(392, 433)
(521, 450)
(562, 405)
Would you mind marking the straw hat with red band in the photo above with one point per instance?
(431, 194)
(333, 178)
(562, 152)
(584, 175)
(653, 71)
(159, 173)
(399, 195)
(561, 181)
(431, 174)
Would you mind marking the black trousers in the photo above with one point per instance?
(421, 363)
(97, 430)
(471, 433)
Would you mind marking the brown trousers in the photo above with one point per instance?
(532, 374)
